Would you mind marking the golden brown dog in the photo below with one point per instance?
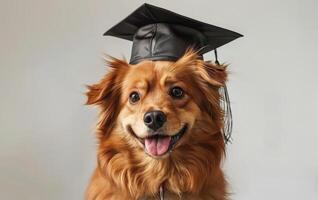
(160, 127)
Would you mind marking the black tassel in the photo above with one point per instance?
(226, 105)
(216, 57)
(228, 120)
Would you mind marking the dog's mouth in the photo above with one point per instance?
(159, 144)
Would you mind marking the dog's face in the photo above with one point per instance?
(156, 106)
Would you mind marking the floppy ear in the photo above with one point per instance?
(207, 72)
(213, 79)
(213, 74)
(106, 94)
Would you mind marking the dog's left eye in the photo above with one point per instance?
(177, 92)
(134, 97)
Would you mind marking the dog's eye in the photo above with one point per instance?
(134, 97)
(176, 92)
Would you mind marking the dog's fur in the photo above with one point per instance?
(192, 170)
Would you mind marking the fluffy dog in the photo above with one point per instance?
(160, 128)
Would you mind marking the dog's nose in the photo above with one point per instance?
(154, 119)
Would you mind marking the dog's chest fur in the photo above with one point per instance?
(170, 196)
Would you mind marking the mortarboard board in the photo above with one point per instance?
(159, 34)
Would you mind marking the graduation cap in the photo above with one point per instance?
(159, 34)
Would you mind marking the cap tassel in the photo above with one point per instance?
(228, 120)
(226, 104)
(216, 57)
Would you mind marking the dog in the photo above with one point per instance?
(160, 130)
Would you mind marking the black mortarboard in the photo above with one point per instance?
(160, 34)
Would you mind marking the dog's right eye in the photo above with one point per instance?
(134, 97)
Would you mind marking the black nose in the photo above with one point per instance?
(154, 119)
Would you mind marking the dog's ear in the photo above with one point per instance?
(211, 79)
(217, 103)
(101, 93)
(207, 72)
(213, 74)
(106, 94)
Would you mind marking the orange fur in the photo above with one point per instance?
(192, 170)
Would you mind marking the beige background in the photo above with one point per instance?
(50, 49)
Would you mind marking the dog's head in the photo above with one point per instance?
(158, 106)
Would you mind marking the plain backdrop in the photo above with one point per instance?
(49, 50)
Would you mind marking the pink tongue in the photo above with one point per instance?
(157, 146)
